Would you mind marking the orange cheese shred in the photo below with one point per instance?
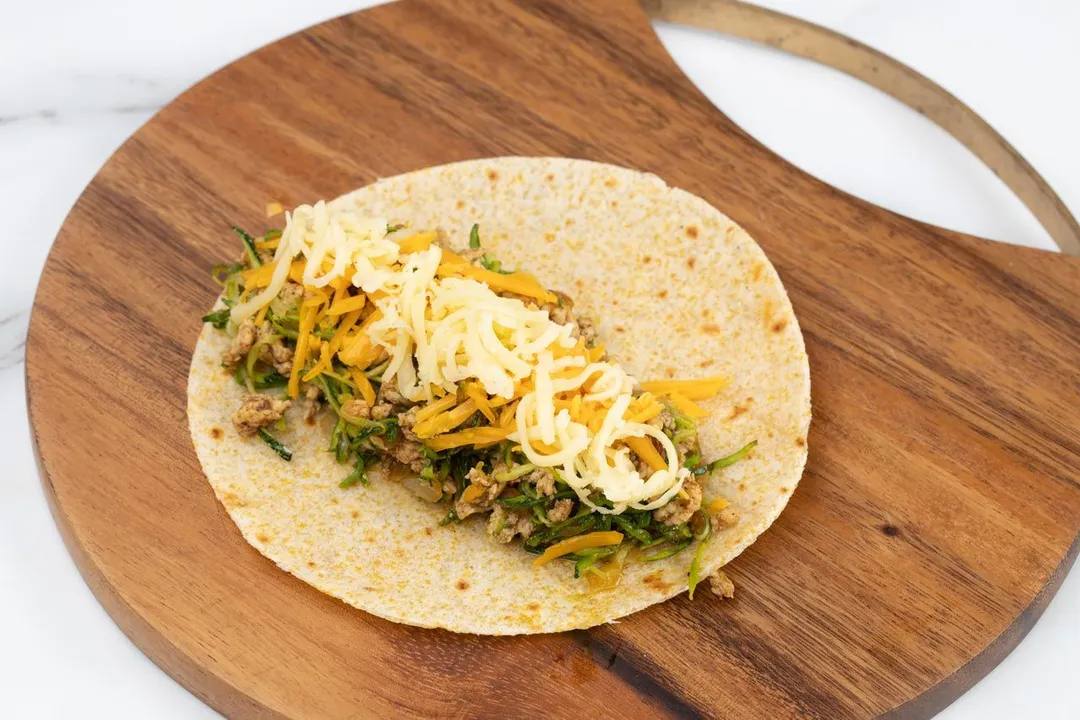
(258, 277)
(701, 389)
(346, 325)
(580, 542)
(477, 395)
(363, 386)
(645, 450)
(307, 324)
(416, 243)
(323, 364)
(716, 505)
(686, 406)
(472, 436)
(520, 283)
(472, 493)
(558, 351)
(445, 422)
(506, 417)
(432, 409)
(347, 304)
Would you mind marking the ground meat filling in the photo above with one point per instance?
(560, 510)
(727, 517)
(665, 422)
(407, 453)
(472, 255)
(291, 294)
(561, 311)
(681, 508)
(356, 408)
(503, 525)
(390, 395)
(275, 353)
(586, 330)
(644, 469)
(241, 344)
(544, 480)
(257, 411)
(311, 403)
(492, 488)
(406, 421)
(721, 584)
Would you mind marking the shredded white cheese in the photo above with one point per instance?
(439, 332)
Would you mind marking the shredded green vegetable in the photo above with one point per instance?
(490, 262)
(276, 446)
(474, 237)
(695, 564)
(249, 246)
(219, 318)
(733, 457)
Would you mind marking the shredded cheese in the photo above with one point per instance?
(580, 542)
(437, 321)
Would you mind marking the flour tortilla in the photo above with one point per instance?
(676, 289)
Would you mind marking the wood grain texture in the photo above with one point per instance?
(940, 506)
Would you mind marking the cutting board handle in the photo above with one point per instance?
(813, 42)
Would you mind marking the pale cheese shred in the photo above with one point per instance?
(440, 331)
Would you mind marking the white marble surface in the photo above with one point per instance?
(76, 78)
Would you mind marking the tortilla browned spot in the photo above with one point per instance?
(655, 580)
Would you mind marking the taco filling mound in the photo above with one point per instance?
(407, 391)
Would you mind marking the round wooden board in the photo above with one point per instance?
(937, 516)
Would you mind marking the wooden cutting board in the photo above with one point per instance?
(940, 506)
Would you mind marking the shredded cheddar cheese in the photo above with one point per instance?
(686, 406)
(580, 542)
(444, 337)
(702, 389)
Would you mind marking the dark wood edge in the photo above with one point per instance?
(813, 42)
(211, 688)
